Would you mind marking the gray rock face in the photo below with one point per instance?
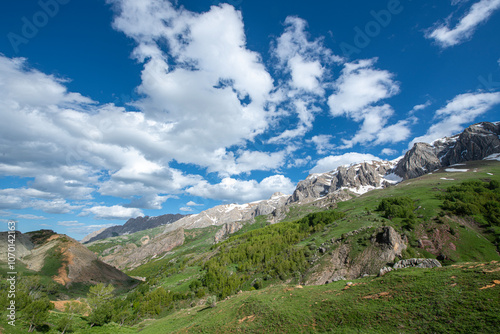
(133, 225)
(357, 179)
(411, 263)
(226, 230)
(420, 160)
(417, 263)
(385, 245)
(475, 143)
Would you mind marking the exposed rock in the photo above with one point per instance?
(78, 264)
(132, 256)
(133, 225)
(337, 184)
(226, 230)
(421, 159)
(385, 245)
(417, 263)
(475, 143)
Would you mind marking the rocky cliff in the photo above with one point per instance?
(356, 179)
(133, 225)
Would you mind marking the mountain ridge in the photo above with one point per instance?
(476, 142)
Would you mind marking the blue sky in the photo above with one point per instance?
(121, 108)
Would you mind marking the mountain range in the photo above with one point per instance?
(476, 142)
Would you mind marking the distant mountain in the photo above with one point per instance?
(228, 213)
(62, 258)
(131, 226)
(475, 143)
(322, 190)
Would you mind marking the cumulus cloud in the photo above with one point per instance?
(357, 94)
(191, 203)
(478, 13)
(322, 143)
(359, 86)
(463, 109)
(331, 163)
(186, 209)
(232, 190)
(305, 65)
(112, 212)
(388, 151)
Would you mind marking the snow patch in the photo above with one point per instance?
(451, 170)
(443, 178)
(489, 173)
(393, 178)
(495, 156)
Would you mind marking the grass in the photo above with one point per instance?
(439, 300)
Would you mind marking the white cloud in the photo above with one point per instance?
(479, 13)
(299, 162)
(186, 209)
(332, 162)
(322, 143)
(112, 212)
(360, 86)
(463, 109)
(230, 189)
(305, 65)
(30, 217)
(420, 107)
(70, 223)
(357, 94)
(191, 203)
(388, 151)
(208, 87)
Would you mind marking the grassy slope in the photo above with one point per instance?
(470, 244)
(448, 299)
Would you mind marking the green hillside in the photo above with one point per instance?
(262, 275)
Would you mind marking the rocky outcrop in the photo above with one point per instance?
(130, 255)
(226, 230)
(411, 263)
(133, 225)
(339, 262)
(417, 263)
(475, 143)
(420, 160)
(354, 179)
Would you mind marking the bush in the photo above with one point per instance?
(211, 301)
(397, 207)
